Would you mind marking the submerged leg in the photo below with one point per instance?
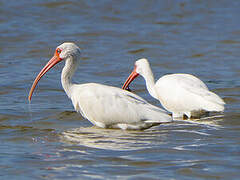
(199, 114)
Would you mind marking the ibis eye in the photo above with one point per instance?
(58, 51)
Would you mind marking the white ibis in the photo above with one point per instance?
(180, 94)
(104, 106)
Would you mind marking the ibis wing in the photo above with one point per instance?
(109, 105)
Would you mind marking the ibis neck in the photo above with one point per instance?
(150, 82)
(67, 73)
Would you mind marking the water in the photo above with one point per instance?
(48, 140)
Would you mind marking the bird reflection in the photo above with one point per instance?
(112, 139)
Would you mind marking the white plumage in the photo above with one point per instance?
(104, 106)
(181, 94)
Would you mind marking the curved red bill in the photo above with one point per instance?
(53, 61)
(130, 78)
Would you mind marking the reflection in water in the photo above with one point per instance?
(112, 139)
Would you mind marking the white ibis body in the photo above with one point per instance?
(104, 106)
(180, 94)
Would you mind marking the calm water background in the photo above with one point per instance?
(48, 140)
